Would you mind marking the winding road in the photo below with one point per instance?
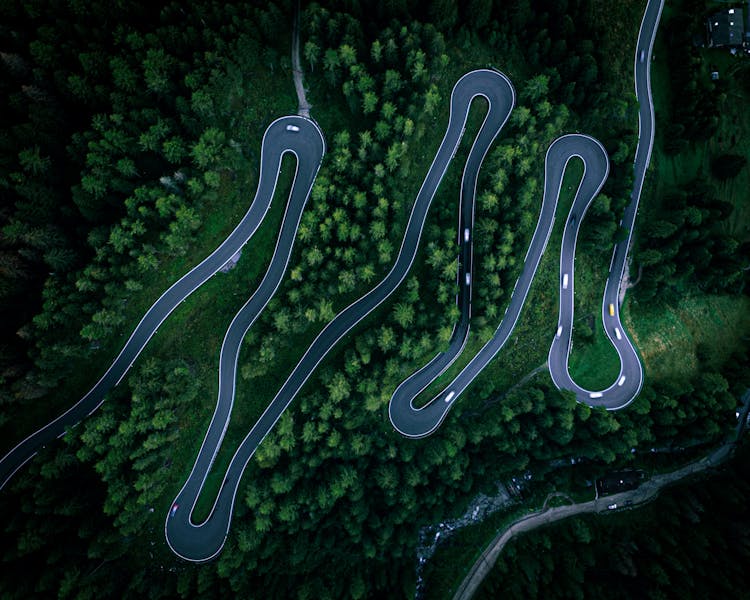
(308, 145)
(301, 137)
(200, 542)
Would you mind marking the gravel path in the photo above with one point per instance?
(304, 107)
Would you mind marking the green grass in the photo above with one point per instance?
(593, 361)
(523, 359)
(252, 397)
(198, 331)
(594, 364)
(668, 337)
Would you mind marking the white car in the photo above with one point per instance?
(617, 333)
(292, 128)
(565, 281)
(621, 381)
(466, 234)
(643, 55)
(612, 506)
(173, 510)
(468, 279)
(559, 330)
(595, 395)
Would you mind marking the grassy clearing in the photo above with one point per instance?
(594, 364)
(669, 338)
(593, 360)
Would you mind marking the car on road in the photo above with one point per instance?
(572, 220)
(621, 381)
(611, 310)
(292, 128)
(612, 506)
(595, 395)
(466, 234)
(618, 335)
(643, 55)
(565, 281)
(173, 510)
(559, 330)
(468, 279)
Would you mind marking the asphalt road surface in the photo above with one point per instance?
(201, 542)
(628, 383)
(419, 422)
(308, 145)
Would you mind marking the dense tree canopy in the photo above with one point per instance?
(127, 128)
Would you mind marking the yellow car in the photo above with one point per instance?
(611, 310)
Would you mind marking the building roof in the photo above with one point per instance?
(727, 28)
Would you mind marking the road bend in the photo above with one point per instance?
(201, 542)
(280, 137)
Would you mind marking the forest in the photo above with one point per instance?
(129, 144)
(691, 541)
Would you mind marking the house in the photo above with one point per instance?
(727, 28)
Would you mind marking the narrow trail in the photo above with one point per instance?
(303, 109)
